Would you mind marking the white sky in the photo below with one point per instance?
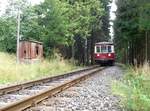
(113, 8)
(112, 17)
(3, 4)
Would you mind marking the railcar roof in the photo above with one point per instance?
(102, 43)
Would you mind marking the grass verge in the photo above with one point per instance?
(134, 89)
(10, 72)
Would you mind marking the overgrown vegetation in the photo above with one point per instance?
(132, 40)
(11, 72)
(135, 89)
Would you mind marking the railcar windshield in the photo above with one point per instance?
(104, 49)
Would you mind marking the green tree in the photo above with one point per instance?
(57, 23)
(7, 35)
(8, 23)
(131, 23)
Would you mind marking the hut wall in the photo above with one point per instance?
(30, 50)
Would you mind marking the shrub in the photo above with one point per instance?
(134, 89)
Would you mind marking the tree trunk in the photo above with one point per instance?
(85, 52)
(73, 53)
(146, 59)
(92, 48)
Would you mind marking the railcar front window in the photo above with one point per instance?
(103, 49)
(98, 49)
(109, 49)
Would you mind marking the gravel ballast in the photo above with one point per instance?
(94, 94)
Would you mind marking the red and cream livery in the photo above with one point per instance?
(104, 53)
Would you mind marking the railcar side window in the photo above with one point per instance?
(109, 49)
(98, 49)
(112, 48)
(103, 49)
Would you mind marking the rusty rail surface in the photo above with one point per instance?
(17, 87)
(33, 100)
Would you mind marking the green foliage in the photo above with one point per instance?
(131, 24)
(54, 22)
(85, 16)
(7, 35)
(144, 20)
(63, 20)
(134, 89)
(105, 19)
(8, 24)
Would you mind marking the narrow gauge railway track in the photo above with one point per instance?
(22, 96)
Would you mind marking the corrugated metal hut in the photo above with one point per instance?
(30, 51)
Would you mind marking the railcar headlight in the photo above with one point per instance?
(98, 55)
(109, 55)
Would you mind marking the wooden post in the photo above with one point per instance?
(18, 34)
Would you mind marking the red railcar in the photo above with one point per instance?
(104, 53)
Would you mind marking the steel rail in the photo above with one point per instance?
(33, 100)
(17, 87)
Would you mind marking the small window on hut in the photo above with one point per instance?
(37, 50)
(24, 52)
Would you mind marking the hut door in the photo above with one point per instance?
(25, 54)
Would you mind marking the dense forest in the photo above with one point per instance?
(132, 31)
(72, 26)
